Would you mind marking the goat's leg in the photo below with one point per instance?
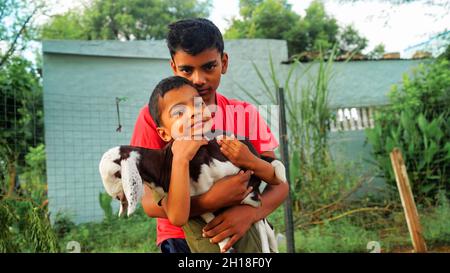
(263, 236)
(266, 233)
(273, 244)
(208, 217)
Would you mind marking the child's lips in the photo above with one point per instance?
(199, 124)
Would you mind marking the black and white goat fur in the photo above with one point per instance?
(124, 169)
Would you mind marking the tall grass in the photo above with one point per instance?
(322, 189)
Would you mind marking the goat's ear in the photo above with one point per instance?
(164, 134)
(132, 181)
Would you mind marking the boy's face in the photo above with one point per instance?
(203, 70)
(183, 114)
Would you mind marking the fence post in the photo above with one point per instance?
(284, 152)
(407, 198)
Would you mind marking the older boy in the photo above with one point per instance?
(197, 51)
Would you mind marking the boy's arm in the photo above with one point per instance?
(237, 220)
(225, 192)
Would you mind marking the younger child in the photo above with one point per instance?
(181, 115)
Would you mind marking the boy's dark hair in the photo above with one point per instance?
(194, 36)
(164, 86)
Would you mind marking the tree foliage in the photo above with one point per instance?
(316, 31)
(123, 19)
(377, 52)
(351, 41)
(16, 25)
(22, 117)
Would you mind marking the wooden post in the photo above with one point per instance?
(409, 206)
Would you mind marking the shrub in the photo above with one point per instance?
(416, 121)
(24, 227)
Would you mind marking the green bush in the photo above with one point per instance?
(416, 121)
(32, 178)
(105, 203)
(24, 227)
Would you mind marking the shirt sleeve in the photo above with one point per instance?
(144, 133)
(257, 126)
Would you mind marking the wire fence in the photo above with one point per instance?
(79, 129)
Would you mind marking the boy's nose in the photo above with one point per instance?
(198, 79)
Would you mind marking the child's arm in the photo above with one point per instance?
(178, 198)
(228, 191)
(239, 154)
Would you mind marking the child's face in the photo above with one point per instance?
(183, 114)
(204, 70)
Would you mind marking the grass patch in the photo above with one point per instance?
(134, 234)
(352, 234)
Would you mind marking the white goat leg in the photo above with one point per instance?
(273, 245)
(208, 217)
(263, 236)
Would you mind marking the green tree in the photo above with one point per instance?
(16, 25)
(123, 19)
(351, 41)
(377, 52)
(322, 28)
(275, 19)
(21, 127)
(262, 19)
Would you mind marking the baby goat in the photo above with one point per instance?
(124, 169)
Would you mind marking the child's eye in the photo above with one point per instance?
(177, 113)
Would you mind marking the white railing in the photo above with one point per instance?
(352, 119)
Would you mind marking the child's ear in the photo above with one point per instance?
(224, 63)
(163, 134)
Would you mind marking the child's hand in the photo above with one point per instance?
(185, 149)
(237, 152)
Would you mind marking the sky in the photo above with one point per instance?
(398, 27)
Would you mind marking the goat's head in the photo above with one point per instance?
(121, 178)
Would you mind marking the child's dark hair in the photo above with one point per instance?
(164, 86)
(194, 36)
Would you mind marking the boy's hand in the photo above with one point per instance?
(228, 191)
(237, 152)
(186, 148)
(233, 222)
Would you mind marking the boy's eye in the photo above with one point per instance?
(186, 70)
(210, 67)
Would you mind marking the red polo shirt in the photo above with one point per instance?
(232, 115)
